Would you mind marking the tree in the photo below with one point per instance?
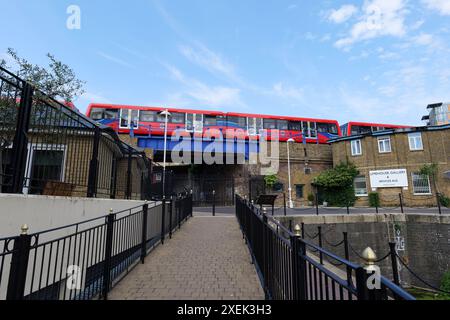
(337, 184)
(57, 81)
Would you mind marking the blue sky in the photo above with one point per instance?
(374, 60)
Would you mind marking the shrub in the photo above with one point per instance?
(445, 201)
(311, 198)
(445, 283)
(270, 181)
(374, 199)
(337, 185)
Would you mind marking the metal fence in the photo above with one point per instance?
(47, 148)
(85, 260)
(291, 268)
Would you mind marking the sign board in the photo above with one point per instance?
(389, 178)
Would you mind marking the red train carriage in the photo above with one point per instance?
(357, 128)
(148, 120)
(300, 129)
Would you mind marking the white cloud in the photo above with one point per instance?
(287, 92)
(379, 18)
(424, 39)
(342, 14)
(195, 92)
(442, 6)
(114, 59)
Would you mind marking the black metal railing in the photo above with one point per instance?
(292, 268)
(47, 148)
(85, 260)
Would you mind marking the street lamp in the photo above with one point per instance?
(167, 114)
(291, 203)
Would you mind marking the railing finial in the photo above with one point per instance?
(298, 230)
(24, 229)
(111, 211)
(370, 257)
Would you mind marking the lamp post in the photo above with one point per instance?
(167, 114)
(291, 203)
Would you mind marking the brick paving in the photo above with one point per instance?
(206, 260)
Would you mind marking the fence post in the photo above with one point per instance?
(303, 230)
(214, 203)
(264, 268)
(20, 144)
(401, 202)
(347, 257)
(320, 244)
(170, 217)
(393, 251)
(370, 269)
(438, 197)
(317, 203)
(284, 203)
(19, 266)
(163, 220)
(144, 232)
(93, 166)
(361, 284)
(128, 190)
(108, 252)
(298, 265)
(179, 208)
(348, 210)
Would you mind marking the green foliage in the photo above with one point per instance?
(445, 201)
(341, 176)
(429, 170)
(337, 184)
(374, 199)
(311, 198)
(58, 80)
(270, 181)
(445, 283)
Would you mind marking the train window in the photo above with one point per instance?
(177, 118)
(238, 121)
(295, 125)
(270, 124)
(147, 116)
(111, 114)
(333, 129)
(282, 125)
(221, 120)
(323, 127)
(97, 113)
(210, 120)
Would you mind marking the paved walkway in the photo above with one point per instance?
(206, 260)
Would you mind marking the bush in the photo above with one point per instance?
(445, 283)
(311, 198)
(445, 201)
(337, 185)
(374, 200)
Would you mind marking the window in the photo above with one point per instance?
(415, 141)
(384, 145)
(299, 188)
(147, 116)
(237, 122)
(97, 113)
(177, 118)
(356, 148)
(295, 125)
(278, 187)
(282, 125)
(111, 114)
(421, 184)
(210, 120)
(360, 186)
(270, 124)
(47, 165)
(322, 127)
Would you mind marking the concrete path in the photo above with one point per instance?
(206, 260)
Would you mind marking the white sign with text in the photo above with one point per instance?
(390, 178)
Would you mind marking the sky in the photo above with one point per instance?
(374, 60)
